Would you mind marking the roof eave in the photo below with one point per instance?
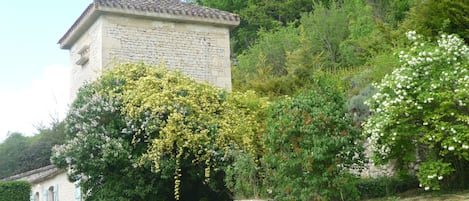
(93, 11)
(173, 16)
(86, 19)
(23, 176)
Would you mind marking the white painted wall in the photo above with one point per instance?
(65, 190)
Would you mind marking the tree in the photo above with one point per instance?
(261, 67)
(10, 151)
(310, 142)
(420, 114)
(141, 132)
(433, 17)
(392, 12)
(19, 153)
(331, 38)
(260, 15)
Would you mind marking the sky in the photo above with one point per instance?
(34, 71)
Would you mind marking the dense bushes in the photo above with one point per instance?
(420, 112)
(15, 190)
(174, 139)
(141, 132)
(310, 144)
(433, 17)
(384, 186)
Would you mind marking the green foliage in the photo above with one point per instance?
(99, 151)
(15, 190)
(10, 151)
(432, 172)
(384, 186)
(141, 132)
(421, 113)
(326, 29)
(392, 12)
(260, 15)
(271, 51)
(433, 17)
(310, 142)
(20, 154)
(191, 121)
(358, 108)
(245, 177)
(331, 38)
(373, 71)
(262, 67)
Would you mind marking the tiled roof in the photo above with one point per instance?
(36, 175)
(175, 7)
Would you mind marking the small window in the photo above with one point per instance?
(36, 196)
(84, 56)
(50, 194)
(77, 191)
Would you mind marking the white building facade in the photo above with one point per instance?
(49, 184)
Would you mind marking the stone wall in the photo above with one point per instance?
(89, 71)
(199, 50)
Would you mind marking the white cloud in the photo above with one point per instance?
(45, 99)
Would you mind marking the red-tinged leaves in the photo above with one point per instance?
(308, 120)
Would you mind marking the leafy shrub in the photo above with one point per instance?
(245, 177)
(336, 36)
(433, 17)
(358, 108)
(15, 190)
(421, 114)
(384, 186)
(100, 153)
(141, 132)
(310, 142)
(261, 65)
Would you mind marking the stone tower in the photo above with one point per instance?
(188, 37)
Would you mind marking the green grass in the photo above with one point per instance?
(418, 195)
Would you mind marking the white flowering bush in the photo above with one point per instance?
(420, 113)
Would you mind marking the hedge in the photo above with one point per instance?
(15, 190)
(385, 186)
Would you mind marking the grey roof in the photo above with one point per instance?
(174, 8)
(36, 175)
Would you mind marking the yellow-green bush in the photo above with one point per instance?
(142, 131)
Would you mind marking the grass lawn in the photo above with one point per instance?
(417, 195)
